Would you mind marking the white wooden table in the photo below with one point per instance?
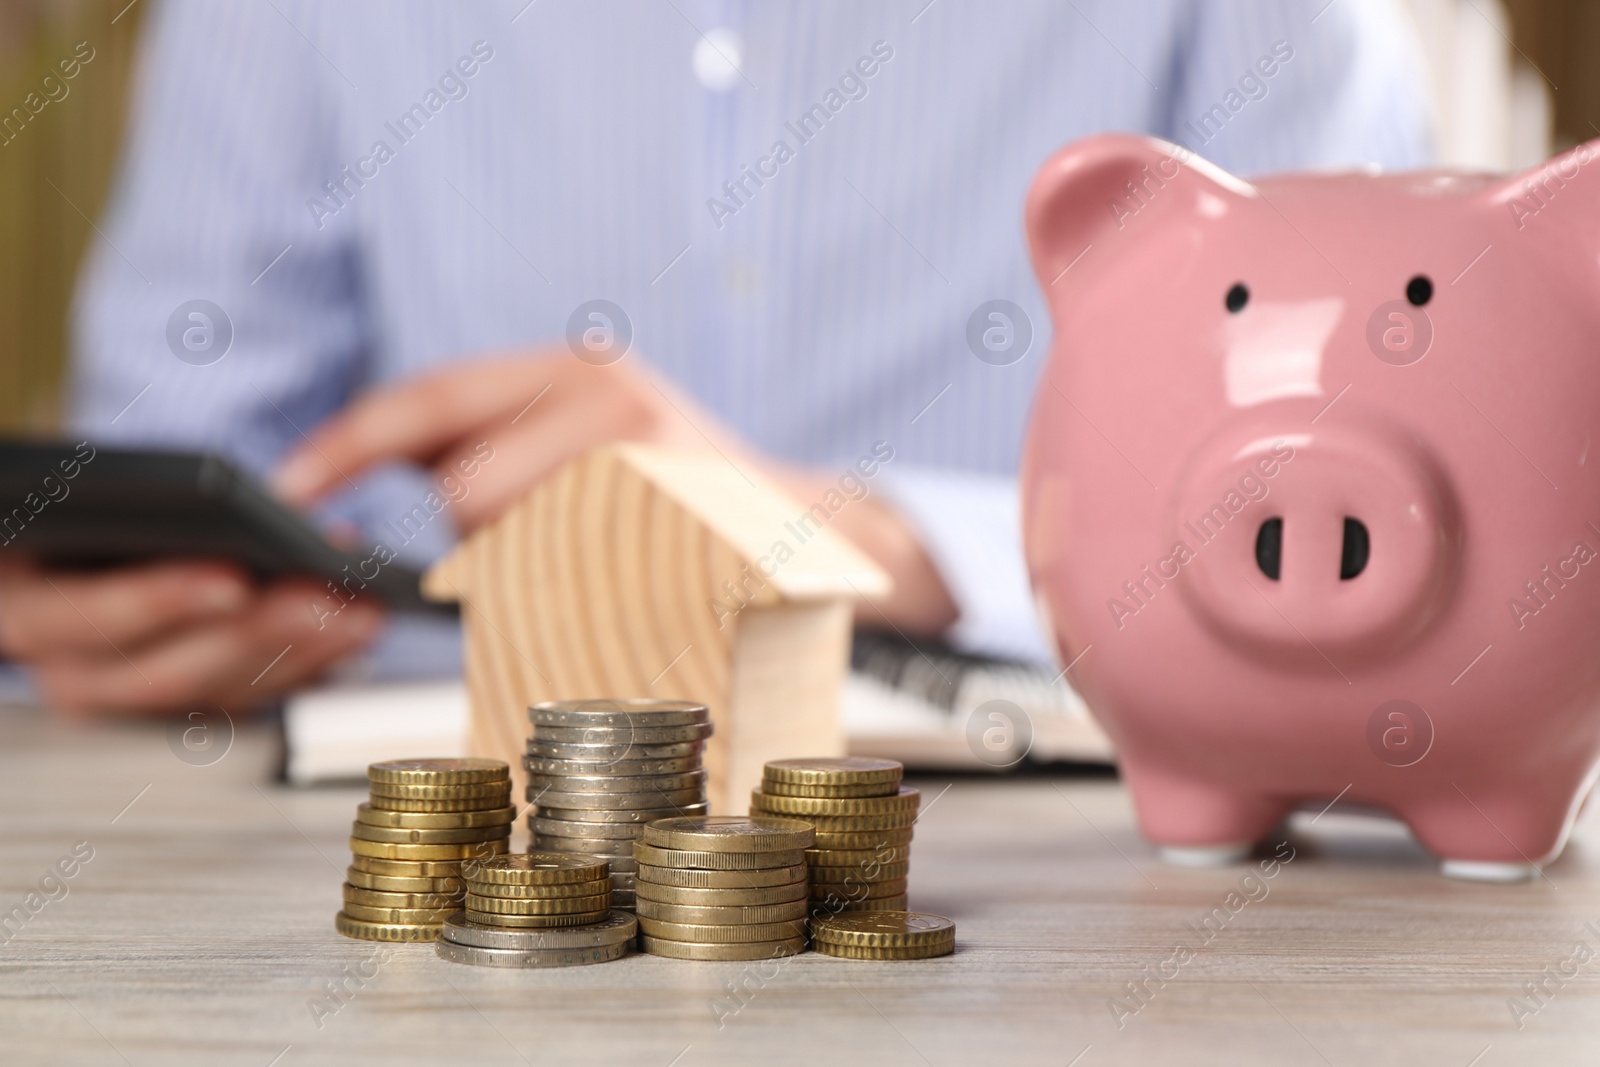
(201, 932)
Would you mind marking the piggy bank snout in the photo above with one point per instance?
(1324, 547)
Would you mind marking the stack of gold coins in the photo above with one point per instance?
(863, 818)
(723, 887)
(537, 909)
(425, 821)
(599, 770)
(884, 935)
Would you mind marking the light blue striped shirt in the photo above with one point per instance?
(369, 190)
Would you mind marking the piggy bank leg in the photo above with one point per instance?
(1197, 823)
(1482, 837)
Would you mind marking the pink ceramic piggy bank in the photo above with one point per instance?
(1307, 492)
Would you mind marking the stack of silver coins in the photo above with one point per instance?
(600, 770)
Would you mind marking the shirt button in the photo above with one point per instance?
(718, 55)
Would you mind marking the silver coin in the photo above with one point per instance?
(525, 958)
(608, 831)
(609, 752)
(586, 846)
(602, 815)
(547, 797)
(632, 711)
(604, 783)
(627, 735)
(616, 928)
(631, 768)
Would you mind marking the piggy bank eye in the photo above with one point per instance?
(1419, 290)
(1237, 298)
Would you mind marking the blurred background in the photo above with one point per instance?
(1513, 81)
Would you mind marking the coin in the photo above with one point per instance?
(885, 929)
(601, 783)
(851, 952)
(716, 861)
(871, 871)
(864, 839)
(527, 958)
(714, 915)
(628, 712)
(773, 894)
(589, 846)
(619, 768)
(636, 815)
(539, 905)
(690, 878)
(560, 798)
(539, 868)
(385, 850)
(406, 868)
(860, 890)
(610, 831)
(836, 904)
(617, 928)
(854, 770)
(729, 833)
(375, 931)
(495, 919)
(722, 934)
(377, 898)
(434, 820)
(565, 890)
(860, 858)
(438, 771)
(772, 788)
(400, 916)
(906, 800)
(754, 950)
(607, 751)
(626, 735)
(402, 836)
(437, 807)
(400, 884)
(854, 824)
(440, 792)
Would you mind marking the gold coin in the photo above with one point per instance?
(540, 868)
(859, 824)
(860, 890)
(859, 859)
(401, 836)
(690, 878)
(728, 833)
(475, 790)
(870, 871)
(775, 894)
(440, 807)
(772, 788)
(438, 771)
(406, 868)
(377, 898)
(839, 905)
(712, 915)
(434, 820)
(389, 883)
(907, 799)
(751, 950)
(894, 929)
(853, 952)
(540, 905)
(716, 861)
(488, 918)
(371, 931)
(732, 933)
(852, 770)
(559, 890)
(385, 850)
(401, 916)
(864, 839)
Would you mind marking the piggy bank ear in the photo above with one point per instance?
(1555, 192)
(1116, 181)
